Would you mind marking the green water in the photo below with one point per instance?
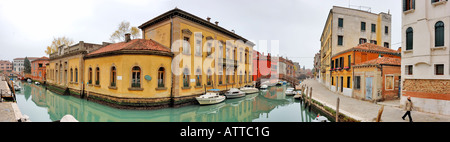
(270, 106)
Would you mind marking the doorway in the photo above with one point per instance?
(368, 88)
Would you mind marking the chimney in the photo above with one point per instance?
(208, 18)
(217, 23)
(232, 31)
(127, 37)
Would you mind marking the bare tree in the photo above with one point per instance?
(57, 42)
(123, 28)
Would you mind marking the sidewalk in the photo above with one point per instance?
(367, 111)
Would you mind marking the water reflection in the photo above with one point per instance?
(272, 105)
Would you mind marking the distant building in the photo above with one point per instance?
(316, 68)
(18, 64)
(425, 55)
(346, 28)
(5, 66)
(38, 69)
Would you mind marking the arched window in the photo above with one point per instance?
(136, 77)
(186, 77)
(161, 73)
(209, 77)
(97, 76)
(71, 75)
(113, 76)
(409, 39)
(439, 34)
(76, 75)
(198, 77)
(90, 75)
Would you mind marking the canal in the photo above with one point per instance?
(268, 106)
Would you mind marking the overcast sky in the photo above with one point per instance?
(27, 27)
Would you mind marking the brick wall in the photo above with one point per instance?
(427, 88)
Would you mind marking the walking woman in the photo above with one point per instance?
(408, 108)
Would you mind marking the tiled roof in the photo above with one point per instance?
(381, 61)
(136, 44)
(370, 47)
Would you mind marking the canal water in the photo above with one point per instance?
(266, 106)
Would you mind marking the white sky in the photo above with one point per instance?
(27, 27)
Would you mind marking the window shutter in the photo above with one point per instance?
(413, 4)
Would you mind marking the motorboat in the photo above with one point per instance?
(249, 89)
(320, 119)
(211, 97)
(37, 83)
(263, 87)
(234, 93)
(290, 92)
(29, 80)
(17, 86)
(279, 84)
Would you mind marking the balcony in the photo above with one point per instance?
(228, 62)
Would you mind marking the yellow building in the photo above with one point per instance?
(207, 55)
(179, 58)
(346, 28)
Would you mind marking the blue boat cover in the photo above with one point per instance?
(214, 90)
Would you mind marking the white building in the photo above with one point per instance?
(426, 55)
(18, 63)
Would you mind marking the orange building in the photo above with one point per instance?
(38, 69)
(341, 65)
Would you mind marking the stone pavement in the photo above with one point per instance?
(7, 112)
(367, 111)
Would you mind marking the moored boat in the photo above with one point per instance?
(211, 97)
(249, 89)
(234, 93)
(263, 87)
(289, 92)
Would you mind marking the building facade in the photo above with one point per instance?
(38, 69)
(18, 64)
(425, 57)
(343, 76)
(346, 28)
(206, 56)
(5, 66)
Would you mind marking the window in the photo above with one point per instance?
(342, 62)
(363, 26)
(386, 30)
(439, 34)
(408, 5)
(374, 28)
(113, 77)
(409, 39)
(90, 75)
(209, 77)
(373, 41)
(434, 1)
(409, 69)
(136, 77)
(97, 76)
(348, 81)
(198, 77)
(186, 46)
(71, 75)
(198, 47)
(340, 22)
(341, 40)
(439, 69)
(245, 77)
(349, 61)
(362, 40)
(389, 82)
(332, 80)
(386, 44)
(332, 64)
(208, 49)
(76, 75)
(186, 78)
(161, 73)
(358, 82)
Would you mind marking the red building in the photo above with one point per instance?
(262, 65)
(38, 69)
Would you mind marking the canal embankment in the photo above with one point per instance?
(365, 111)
